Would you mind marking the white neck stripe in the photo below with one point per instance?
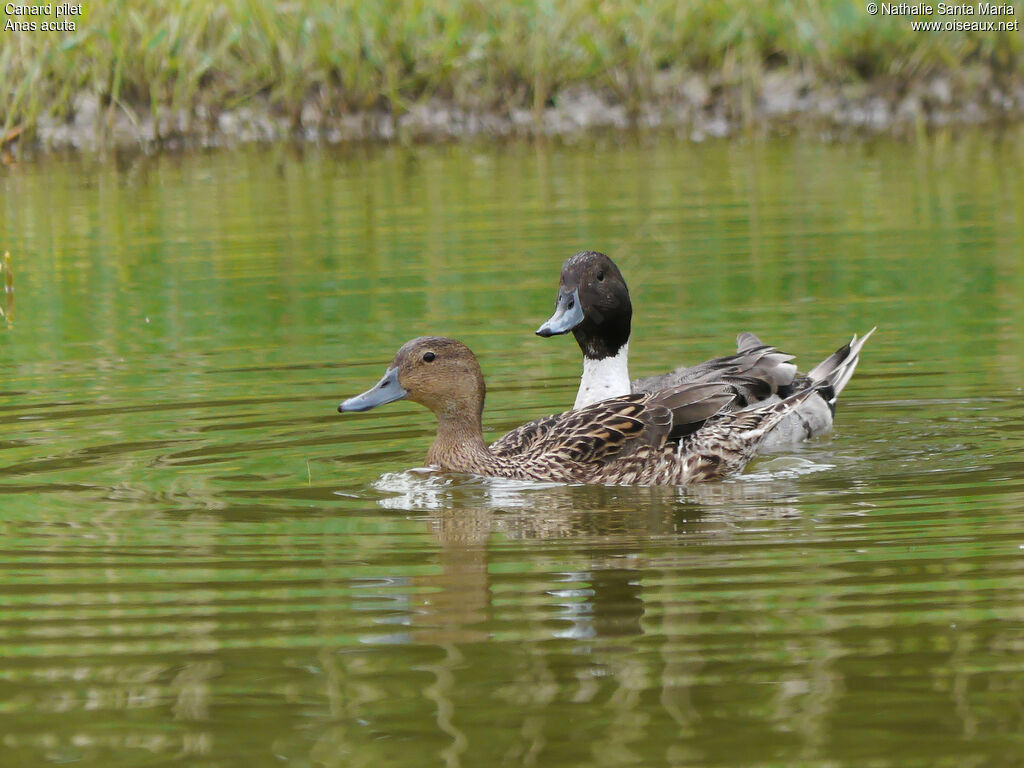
(604, 378)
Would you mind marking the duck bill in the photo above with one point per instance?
(387, 390)
(568, 314)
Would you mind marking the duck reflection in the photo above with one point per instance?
(572, 623)
(455, 604)
(470, 518)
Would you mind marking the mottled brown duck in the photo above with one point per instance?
(593, 302)
(676, 436)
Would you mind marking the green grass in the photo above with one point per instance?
(351, 55)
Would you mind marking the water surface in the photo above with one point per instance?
(202, 563)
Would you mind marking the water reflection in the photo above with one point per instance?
(472, 520)
(6, 290)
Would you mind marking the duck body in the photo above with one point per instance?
(593, 302)
(676, 436)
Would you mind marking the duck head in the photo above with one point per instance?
(439, 373)
(592, 302)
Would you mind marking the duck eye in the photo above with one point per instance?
(429, 357)
(600, 274)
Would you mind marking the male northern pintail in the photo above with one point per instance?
(593, 302)
(676, 436)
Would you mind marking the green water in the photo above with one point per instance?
(202, 563)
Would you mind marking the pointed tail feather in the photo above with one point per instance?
(836, 369)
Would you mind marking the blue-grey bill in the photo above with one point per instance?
(568, 314)
(387, 390)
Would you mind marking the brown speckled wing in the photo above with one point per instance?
(625, 440)
(521, 439)
(600, 432)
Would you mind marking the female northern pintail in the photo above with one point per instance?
(677, 436)
(593, 302)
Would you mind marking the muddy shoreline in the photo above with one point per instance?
(696, 107)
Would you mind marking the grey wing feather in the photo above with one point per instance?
(746, 341)
(757, 371)
(693, 404)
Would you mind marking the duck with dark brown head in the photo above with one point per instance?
(593, 302)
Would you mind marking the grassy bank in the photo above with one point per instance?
(193, 59)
